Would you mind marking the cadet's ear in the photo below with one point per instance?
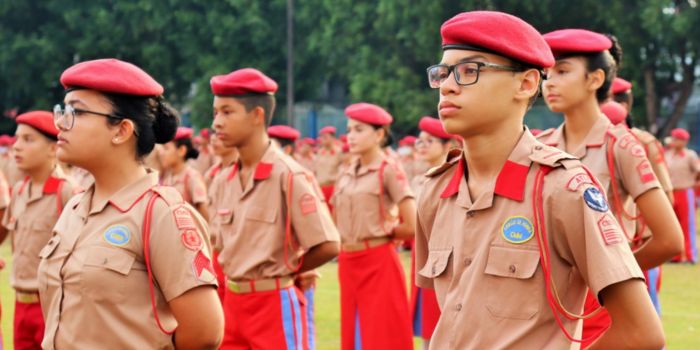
(529, 85)
(595, 79)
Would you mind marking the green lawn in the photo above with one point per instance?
(680, 295)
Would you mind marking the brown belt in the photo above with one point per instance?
(265, 285)
(366, 244)
(27, 298)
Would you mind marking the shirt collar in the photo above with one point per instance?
(356, 170)
(123, 200)
(511, 180)
(595, 138)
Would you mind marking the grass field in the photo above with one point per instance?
(680, 295)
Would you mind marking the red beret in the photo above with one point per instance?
(368, 113)
(111, 75)
(283, 132)
(328, 130)
(408, 141)
(433, 127)
(567, 41)
(309, 141)
(40, 120)
(183, 133)
(535, 132)
(614, 111)
(498, 33)
(343, 138)
(620, 85)
(5, 140)
(681, 134)
(241, 82)
(205, 133)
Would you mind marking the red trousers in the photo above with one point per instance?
(684, 206)
(274, 320)
(220, 276)
(374, 311)
(595, 326)
(328, 193)
(28, 326)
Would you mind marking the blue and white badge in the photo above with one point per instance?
(117, 235)
(517, 230)
(595, 200)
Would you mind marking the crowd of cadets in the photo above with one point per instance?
(520, 234)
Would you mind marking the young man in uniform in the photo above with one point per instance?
(276, 225)
(328, 161)
(684, 167)
(511, 228)
(36, 204)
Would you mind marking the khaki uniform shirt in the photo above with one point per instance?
(683, 167)
(655, 155)
(308, 162)
(357, 199)
(482, 258)
(189, 183)
(220, 175)
(93, 283)
(30, 218)
(252, 222)
(633, 172)
(328, 163)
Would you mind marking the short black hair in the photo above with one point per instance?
(192, 152)
(265, 101)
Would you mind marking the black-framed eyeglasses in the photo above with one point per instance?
(465, 73)
(64, 117)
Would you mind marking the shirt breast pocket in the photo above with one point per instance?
(514, 289)
(260, 220)
(45, 265)
(105, 273)
(436, 265)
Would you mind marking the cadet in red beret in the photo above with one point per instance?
(285, 137)
(684, 167)
(113, 242)
(281, 228)
(178, 173)
(509, 225)
(29, 217)
(586, 64)
(329, 159)
(205, 158)
(374, 312)
(432, 146)
(305, 153)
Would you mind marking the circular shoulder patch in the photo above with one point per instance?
(517, 229)
(118, 235)
(595, 200)
(191, 239)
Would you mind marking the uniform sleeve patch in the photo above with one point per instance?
(577, 181)
(609, 230)
(595, 200)
(307, 203)
(625, 141)
(191, 239)
(183, 218)
(638, 151)
(203, 269)
(646, 173)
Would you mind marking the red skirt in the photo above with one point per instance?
(374, 311)
(595, 326)
(327, 194)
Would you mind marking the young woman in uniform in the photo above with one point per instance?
(512, 233)
(129, 265)
(684, 167)
(374, 305)
(586, 64)
(34, 208)
(179, 174)
(432, 146)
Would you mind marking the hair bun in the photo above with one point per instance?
(615, 50)
(167, 119)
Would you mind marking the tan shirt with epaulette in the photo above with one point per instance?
(481, 254)
(93, 281)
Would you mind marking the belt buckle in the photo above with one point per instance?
(234, 287)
